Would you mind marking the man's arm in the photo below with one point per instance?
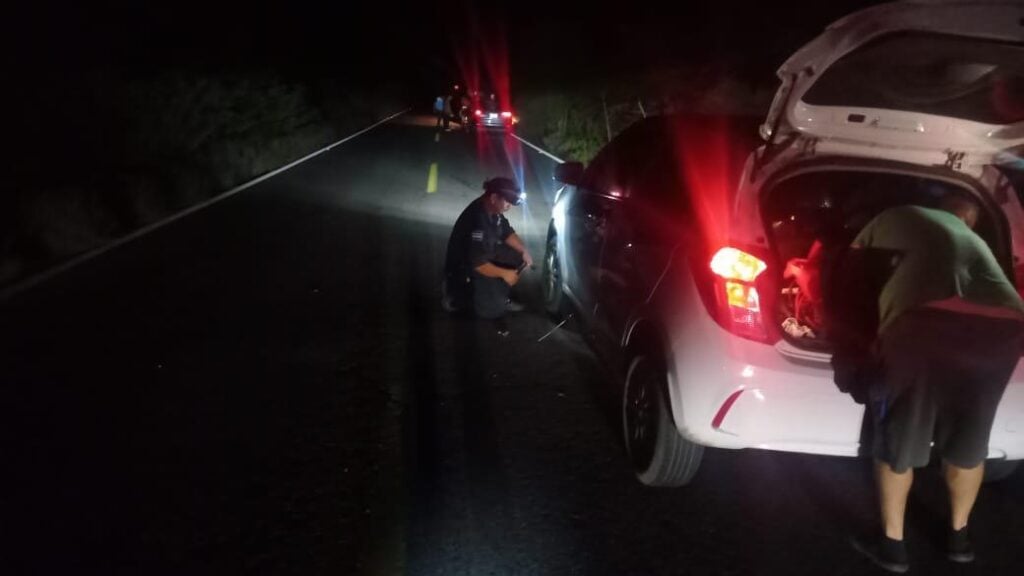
(491, 271)
(517, 244)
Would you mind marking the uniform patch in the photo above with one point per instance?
(478, 235)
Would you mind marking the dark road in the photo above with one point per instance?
(270, 386)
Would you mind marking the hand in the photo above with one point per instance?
(527, 258)
(510, 277)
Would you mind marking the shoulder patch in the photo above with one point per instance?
(478, 235)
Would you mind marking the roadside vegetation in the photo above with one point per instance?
(113, 156)
(575, 123)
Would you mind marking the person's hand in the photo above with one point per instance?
(511, 277)
(527, 259)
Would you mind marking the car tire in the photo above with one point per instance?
(999, 470)
(659, 454)
(555, 302)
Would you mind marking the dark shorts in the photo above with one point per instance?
(942, 377)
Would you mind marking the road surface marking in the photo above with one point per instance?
(539, 149)
(432, 179)
(44, 276)
(437, 137)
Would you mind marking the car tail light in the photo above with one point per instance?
(739, 302)
(506, 115)
(479, 112)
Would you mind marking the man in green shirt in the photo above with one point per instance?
(950, 334)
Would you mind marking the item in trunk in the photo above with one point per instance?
(793, 327)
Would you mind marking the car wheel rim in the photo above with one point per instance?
(641, 417)
(551, 276)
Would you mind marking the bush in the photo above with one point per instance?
(182, 139)
(576, 123)
(232, 128)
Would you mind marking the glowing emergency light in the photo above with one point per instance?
(739, 301)
(479, 112)
(506, 114)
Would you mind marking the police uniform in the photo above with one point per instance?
(476, 239)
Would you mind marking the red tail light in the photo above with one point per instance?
(739, 302)
(479, 112)
(506, 115)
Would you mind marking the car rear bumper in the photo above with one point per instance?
(730, 392)
(493, 123)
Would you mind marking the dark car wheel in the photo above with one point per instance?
(551, 281)
(660, 456)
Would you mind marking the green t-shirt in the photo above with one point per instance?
(940, 257)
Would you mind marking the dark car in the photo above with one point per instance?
(487, 111)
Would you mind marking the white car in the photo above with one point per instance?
(672, 252)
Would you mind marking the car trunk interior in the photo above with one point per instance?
(812, 214)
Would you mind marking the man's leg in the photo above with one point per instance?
(893, 489)
(963, 484)
(490, 296)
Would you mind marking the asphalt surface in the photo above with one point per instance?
(269, 386)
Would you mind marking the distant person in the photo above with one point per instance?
(447, 111)
(439, 110)
(485, 255)
(949, 336)
(464, 111)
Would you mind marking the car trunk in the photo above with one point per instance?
(812, 213)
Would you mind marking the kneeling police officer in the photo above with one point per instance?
(485, 256)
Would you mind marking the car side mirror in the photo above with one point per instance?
(570, 173)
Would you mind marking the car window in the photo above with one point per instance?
(974, 79)
(617, 165)
(659, 187)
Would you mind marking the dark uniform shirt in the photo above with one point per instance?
(475, 239)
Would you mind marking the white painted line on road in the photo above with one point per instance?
(437, 137)
(539, 149)
(39, 278)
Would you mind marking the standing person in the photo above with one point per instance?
(485, 255)
(949, 337)
(447, 112)
(464, 111)
(439, 110)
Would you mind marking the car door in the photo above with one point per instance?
(643, 231)
(587, 218)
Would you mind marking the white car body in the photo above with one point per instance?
(726, 391)
(784, 398)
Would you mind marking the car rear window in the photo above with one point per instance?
(972, 79)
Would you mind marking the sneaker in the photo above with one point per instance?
(448, 305)
(885, 552)
(502, 327)
(513, 306)
(959, 548)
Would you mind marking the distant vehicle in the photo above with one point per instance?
(673, 254)
(486, 112)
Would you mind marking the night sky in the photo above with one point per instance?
(374, 41)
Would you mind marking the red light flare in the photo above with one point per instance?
(482, 48)
(711, 153)
(494, 47)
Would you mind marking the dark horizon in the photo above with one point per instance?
(540, 43)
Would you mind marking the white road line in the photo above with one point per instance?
(44, 276)
(539, 149)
